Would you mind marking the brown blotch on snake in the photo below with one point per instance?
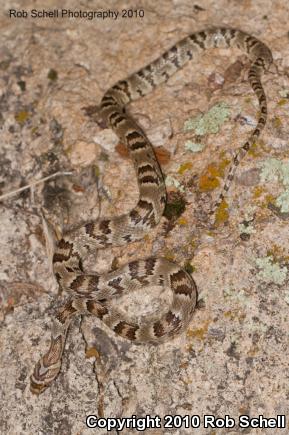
(91, 297)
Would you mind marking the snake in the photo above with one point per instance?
(91, 293)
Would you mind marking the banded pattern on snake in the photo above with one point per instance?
(90, 293)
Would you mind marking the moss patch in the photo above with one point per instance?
(52, 75)
(189, 268)
(175, 207)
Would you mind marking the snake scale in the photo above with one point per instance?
(90, 293)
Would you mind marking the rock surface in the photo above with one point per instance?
(233, 360)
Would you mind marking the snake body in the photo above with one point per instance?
(90, 293)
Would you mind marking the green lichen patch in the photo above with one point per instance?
(278, 170)
(173, 182)
(286, 298)
(270, 271)
(194, 147)
(246, 228)
(240, 296)
(283, 202)
(210, 122)
(284, 93)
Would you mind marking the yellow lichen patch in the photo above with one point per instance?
(282, 102)
(222, 214)
(208, 180)
(222, 154)
(210, 233)
(146, 238)
(253, 351)
(258, 191)
(277, 122)
(274, 252)
(34, 130)
(114, 263)
(254, 150)
(92, 352)
(199, 333)
(269, 199)
(186, 381)
(193, 243)
(182, 221)
(185, 167)
(169, 256)
(277, 253)
(222, 166)
(96, 171)
(230, 314)
(234, 315)
(22, 116)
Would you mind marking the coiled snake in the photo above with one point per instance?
(90, 293)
